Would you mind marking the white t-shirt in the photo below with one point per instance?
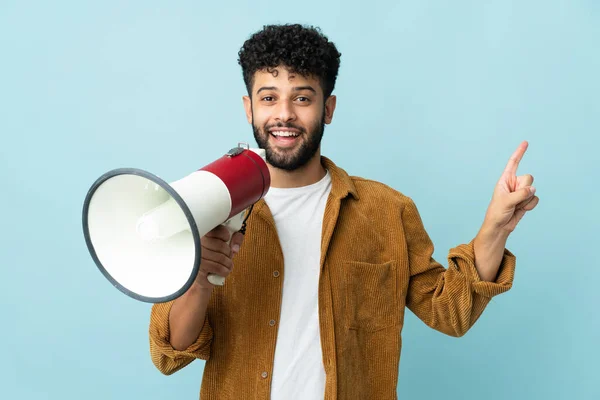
(298, 371)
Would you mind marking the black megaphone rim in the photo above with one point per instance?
(180, 202)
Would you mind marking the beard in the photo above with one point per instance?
(291, 159)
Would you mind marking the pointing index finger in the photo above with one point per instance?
(513, 162)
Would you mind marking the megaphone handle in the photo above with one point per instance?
(233, 224)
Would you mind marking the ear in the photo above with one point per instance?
(248, 108)
(329, 108)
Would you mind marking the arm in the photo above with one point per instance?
(187, 316)
(513, 196)
(448, 300)
(163, 354)
(488, 246)
(452, 300)
(180, 330)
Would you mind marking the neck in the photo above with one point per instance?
(312, 172)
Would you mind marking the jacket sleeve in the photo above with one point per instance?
(164, 356)
(448, 300)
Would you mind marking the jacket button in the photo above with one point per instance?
(264, 374)
(275, 274)
(272, 322)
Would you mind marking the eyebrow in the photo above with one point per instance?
(295, 89)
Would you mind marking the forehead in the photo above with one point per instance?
(282, 79)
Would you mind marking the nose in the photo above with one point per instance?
(285, 112)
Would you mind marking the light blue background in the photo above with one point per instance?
(433, 97)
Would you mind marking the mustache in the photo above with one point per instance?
(284, 125)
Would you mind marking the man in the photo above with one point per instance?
(315, 305)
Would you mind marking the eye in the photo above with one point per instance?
(303, 99)
(267, 98)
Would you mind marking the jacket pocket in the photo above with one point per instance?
(371, 295)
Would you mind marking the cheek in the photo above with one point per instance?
(312, 119)
(260, 118)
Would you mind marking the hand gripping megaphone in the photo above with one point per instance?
(144, 233)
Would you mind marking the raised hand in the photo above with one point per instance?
(513, 195)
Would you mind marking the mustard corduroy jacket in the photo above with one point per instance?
(376, 259)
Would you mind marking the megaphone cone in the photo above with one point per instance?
(144, 233)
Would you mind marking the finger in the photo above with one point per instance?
(216, 257)
(524, 180)
(513, 162)
(236, 242)
(521, 195)
(530, 205)
(217, 245)
(209, 267)
(519, 215)
(220, 232)
(524, 203)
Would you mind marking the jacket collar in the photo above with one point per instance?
(341, 184)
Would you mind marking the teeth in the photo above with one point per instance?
(284, 133)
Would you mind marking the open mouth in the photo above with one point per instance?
(285, 136)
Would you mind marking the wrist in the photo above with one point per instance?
(490, 236)
(198, 289)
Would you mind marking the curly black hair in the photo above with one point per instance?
(301, 49)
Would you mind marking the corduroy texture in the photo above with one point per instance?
(376, 260)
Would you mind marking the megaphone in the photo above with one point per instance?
(144, 233)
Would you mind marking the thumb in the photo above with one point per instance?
(521, 195)
(236, 242)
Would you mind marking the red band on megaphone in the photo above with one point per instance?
(246, 176)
